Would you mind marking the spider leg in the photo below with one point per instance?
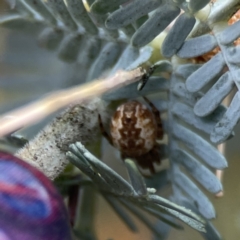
(156, 113)
(151, 168)
(144, 161)
(103, 131)
(147, 160)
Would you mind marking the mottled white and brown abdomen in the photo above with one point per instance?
(133, 129)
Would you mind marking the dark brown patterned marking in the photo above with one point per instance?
(133, 129)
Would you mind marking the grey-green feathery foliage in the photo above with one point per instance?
(118, 192)
(114, 35)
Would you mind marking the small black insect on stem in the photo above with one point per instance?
(146, 76)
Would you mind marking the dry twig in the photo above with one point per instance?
(38, 110)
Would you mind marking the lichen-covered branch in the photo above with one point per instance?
(47, 151)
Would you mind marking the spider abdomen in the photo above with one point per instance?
(133, 129)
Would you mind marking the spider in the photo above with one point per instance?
(134, 131)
